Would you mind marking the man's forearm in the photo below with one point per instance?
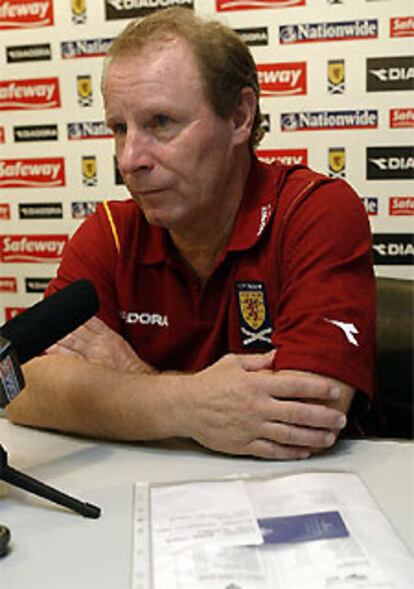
(72, 395)
(237, 405)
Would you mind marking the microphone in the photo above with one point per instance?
(29, 333)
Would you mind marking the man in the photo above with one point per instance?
(237, 298)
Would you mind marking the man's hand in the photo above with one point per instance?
(239, 406)
(97, 343)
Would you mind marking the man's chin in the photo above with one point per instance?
(157, 219)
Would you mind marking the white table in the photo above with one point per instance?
(56, 548)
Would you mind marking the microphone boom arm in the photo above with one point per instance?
(26, 482)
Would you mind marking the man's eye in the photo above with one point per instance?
(161, 121)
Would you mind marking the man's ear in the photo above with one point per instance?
(243, 116)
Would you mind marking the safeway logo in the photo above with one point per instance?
(402, 26)
(8, 284)
(226, 5)
(31, 94)
(282, 79)
(401, 118)
(32, 248)
(401, 205)
(288, 157)
(26, 14)
(32, 173)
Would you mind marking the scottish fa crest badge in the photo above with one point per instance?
(255, 326)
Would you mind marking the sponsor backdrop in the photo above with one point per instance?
(337, 81)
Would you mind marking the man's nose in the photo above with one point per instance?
(136, 153)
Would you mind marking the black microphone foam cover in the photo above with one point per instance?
(48, 321)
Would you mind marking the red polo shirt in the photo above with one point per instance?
(296, 275)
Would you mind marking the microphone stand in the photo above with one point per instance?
(24, 481)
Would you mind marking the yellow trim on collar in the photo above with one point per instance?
(112, 225)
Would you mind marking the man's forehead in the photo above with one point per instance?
(169, 62)
(160, 50)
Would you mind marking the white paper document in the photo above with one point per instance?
(302, 531)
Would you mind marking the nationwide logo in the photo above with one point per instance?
(26, 14)
(329, 120)
(4, 211)
(390, 163)
(32, 248)
(36, 284)
(34, 94)
(393, 249)
(328, 31)
(22, 53)
(282, 79)
(386, 74)
(402, 26)
(255, 36)
(115, 9)
(225, 5)
(82, 209)
(52, 210)
(8, 284)
(32, 173)
(10, 312)
(289, 157)
(88, 130)
(36, 133)
(401, 205)
(2, 135)
(401, 118)
(370, 204)
(85, 48)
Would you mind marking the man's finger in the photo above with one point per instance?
(284, 386)
(293, 435)
(306, 414)
(263, 448)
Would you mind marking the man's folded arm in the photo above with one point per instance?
(236, 406)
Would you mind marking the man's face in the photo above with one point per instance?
(173, 151)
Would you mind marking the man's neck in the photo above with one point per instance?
(200, 246)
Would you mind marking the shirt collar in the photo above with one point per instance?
(257, 205)
(256, 209)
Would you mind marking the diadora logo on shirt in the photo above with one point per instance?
(349, 330)
(144, 318)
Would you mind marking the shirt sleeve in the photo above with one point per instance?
(325, 320)
(91, 253)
